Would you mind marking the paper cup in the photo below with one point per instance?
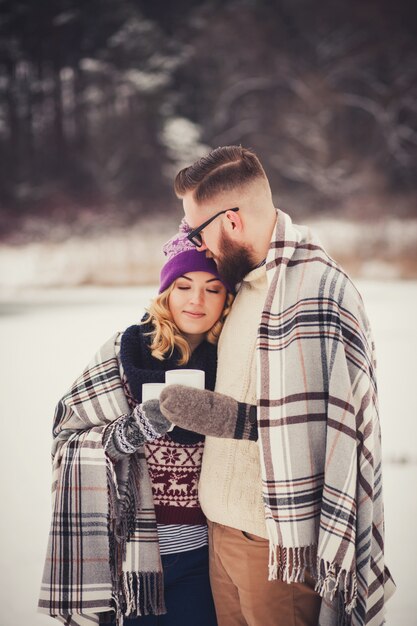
(190, 378)
(151, 391)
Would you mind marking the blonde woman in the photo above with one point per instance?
(128, 541)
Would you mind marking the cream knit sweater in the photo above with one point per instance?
(230, 482)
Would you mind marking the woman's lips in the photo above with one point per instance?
(194, 316)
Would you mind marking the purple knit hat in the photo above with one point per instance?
(182, 257)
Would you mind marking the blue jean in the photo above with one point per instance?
(188, 596)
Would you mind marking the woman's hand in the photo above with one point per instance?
(151, 421)
(125, 435)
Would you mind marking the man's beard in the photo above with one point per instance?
(234, 260)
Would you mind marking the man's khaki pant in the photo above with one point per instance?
(243, 596)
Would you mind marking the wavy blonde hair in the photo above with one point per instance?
(166, 335)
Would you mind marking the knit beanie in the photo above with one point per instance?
(182, 257)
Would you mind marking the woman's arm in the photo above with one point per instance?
(97, 400)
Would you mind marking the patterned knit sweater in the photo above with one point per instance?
(174, 461)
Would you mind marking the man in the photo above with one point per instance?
(295, 518)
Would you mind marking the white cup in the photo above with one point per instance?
(190, 378)
(151, 391)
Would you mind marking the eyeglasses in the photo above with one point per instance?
(195, 237)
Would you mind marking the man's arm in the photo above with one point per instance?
(209, 413)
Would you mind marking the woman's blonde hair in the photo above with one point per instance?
(166, 335)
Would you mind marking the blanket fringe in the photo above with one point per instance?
(122, 508)
(332, 579)
(290, 565)
(143, 593)
(134, 593)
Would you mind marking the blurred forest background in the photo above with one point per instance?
(102, 101)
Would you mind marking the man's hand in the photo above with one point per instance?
(208, 413)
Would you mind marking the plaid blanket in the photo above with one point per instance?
(319, 431)
(103, 552)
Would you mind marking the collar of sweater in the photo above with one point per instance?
(255, 274)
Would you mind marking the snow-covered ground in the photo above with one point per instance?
(46, 339)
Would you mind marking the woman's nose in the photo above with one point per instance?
(197, 296)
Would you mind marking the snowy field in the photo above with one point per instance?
(46, 339)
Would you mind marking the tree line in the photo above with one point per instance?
(103, 100)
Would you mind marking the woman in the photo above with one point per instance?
(128, 540)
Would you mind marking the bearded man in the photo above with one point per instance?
(296, 521)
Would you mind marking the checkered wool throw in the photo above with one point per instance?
(319, 431)
(103, 551)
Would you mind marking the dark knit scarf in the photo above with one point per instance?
(141, 367)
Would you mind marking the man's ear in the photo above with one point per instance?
(235, 220)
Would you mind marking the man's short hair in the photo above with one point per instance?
(223, 169)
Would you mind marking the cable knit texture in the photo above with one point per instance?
(230, 483)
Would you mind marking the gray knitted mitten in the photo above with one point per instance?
(122, 437)
(152, 422)
(208, 413)
(127, 433)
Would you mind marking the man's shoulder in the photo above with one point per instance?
(312, 273)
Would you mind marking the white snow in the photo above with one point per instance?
(46, 339)
(132, 256)
(118, 257)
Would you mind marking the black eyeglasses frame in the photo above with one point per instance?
(194, 235)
